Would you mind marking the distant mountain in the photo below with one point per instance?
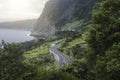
(20, 25)
(58, 12)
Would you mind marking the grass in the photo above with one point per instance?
(75, 42)
(40, 56)
(81, 41)
(72, 25)
(43, 49)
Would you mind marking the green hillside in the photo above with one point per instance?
(90, 36)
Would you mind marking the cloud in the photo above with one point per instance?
(20, 9)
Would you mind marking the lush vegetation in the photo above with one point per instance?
(104, 40)
(16, 64)
(96, 51)
(94, 47)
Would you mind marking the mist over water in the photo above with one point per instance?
(11, 35)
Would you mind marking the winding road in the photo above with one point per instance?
(62, 59)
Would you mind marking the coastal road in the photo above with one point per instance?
(62, 59)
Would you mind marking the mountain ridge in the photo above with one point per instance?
(57, 13)
(19, 25)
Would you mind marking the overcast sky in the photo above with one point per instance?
(11, 10)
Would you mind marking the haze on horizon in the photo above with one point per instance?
(12, 10)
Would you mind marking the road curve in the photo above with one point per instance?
(62, 59)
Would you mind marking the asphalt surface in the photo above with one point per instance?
(62, 59)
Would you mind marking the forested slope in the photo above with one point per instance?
(95, 50)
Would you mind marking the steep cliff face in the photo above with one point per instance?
(54, 11)
(59, 12)
(83, 8)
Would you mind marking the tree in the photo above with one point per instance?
(11, 65)
(104, 36)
